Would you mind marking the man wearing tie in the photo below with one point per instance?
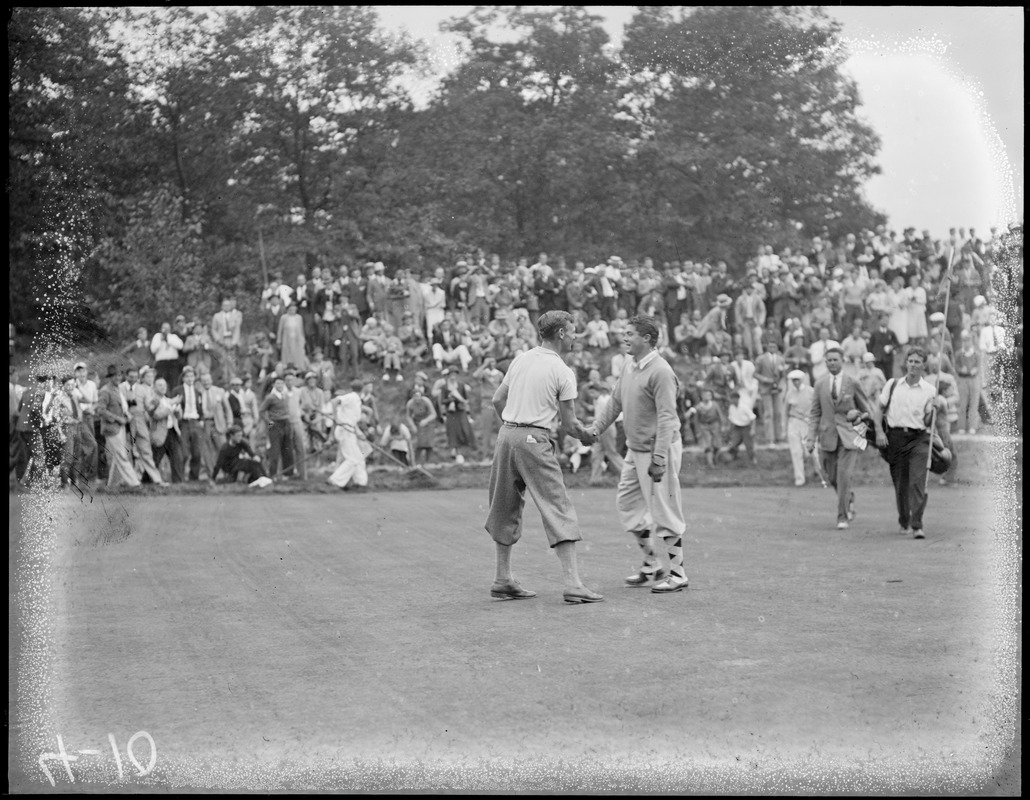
(192, 425)
(217, 417)
(113, 409)
(769, 371)
(835, 395)
(86, 396)
(225, 330)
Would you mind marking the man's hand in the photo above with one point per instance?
(587, 435)
(881, 438)
(656, 471)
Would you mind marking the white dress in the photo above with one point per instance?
(917, 312)
(898, 321)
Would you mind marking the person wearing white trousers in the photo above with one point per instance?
(648, 498)
(351, 462)
(797, 405)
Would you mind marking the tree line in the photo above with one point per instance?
(161, 157)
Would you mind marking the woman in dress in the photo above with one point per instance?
(290, 337)
(454, 399)
(897, 300)
(917, 328)
(421, 416)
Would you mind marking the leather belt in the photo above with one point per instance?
(524, 425)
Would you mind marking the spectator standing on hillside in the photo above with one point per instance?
(749, 316)
(275, 410)
(421, 417)
(165, 437)
(198, 348)
(769, 371)
(192, 421)
(113, 409)
(298, 433)
(139, 395)
(290, 338)
(967, 368)
(217, 417)
(741, 417)
(138, 350)
(485, 380)
(226, 332)
(86, 396)
(166, 347)
(455, 402)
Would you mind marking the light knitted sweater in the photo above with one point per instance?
(646, 395)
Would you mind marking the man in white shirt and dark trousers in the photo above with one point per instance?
(649, 490)
(538, 387)
(907, 404)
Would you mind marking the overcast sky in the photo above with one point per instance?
(943, 87)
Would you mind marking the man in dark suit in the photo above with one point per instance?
(835, 395)
(883, 344)
(191, 425)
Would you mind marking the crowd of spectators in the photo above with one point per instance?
(269, 386)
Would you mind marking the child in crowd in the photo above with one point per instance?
(372, 340)
(393, 349)
(709, 420)
(597, 332)
(741, 415)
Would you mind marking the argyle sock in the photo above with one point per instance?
(675, 547)
(650, 556)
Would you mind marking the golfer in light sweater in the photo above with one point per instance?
(648, 495)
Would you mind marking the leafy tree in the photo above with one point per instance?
(69, 132)
(523, 139)
(317, 95)
(154, 267)
(747, 127)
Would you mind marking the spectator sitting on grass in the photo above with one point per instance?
(412, 338)
(236, 458)
(373, 342)
(449, 348)
(396, 439)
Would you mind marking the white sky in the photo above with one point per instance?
(943, 87)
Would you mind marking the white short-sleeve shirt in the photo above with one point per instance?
(537, 380)
(908, 405)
